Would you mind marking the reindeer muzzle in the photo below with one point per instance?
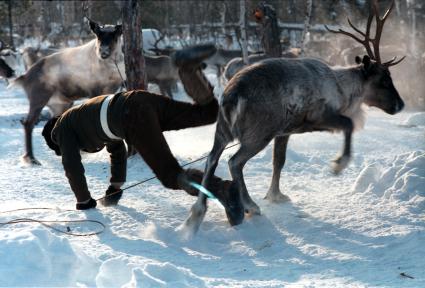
(398, 107)
(104, 55)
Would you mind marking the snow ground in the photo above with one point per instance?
(360, 229)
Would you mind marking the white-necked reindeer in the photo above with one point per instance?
(73, 73)
(276, 98)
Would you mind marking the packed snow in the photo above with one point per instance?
(363, 228)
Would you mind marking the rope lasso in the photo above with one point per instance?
(119, 72)
(154, 177)
(68, 231)
(44, 222)
(103, 227)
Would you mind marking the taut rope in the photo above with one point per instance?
(68, 229)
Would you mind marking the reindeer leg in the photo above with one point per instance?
(29, 123)
(342, 160)
(163, 88)
(236, 164)
(58, 108)
(279, 156)
(199, 209)
(218, 74)
(169, 88)
(340, 122)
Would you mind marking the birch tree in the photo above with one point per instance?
(307, 22)
(242, 23)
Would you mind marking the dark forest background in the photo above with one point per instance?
(63, 20)
(62, 24)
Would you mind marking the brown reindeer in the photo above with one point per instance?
(220, 59)
(73, 73)
(30, 55)
(161, 71)
(276, 98)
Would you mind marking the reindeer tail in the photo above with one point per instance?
(194, 55)
(230, 109)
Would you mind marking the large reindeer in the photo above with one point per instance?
(73, 73)
(276, 98)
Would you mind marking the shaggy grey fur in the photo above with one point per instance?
(276, 98)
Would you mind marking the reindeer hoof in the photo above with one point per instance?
(189, 228)
(339, 164)
(277, 197)
(252, 209)
(31, 160)
(191, 225)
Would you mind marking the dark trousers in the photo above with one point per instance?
(146, 116)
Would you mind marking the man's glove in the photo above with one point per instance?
(91, 203)
(112, 196)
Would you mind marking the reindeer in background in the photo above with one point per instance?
(276, 98)
(5, 70)
(31, 55)
(59, 79)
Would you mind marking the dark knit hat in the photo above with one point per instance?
(47, 134)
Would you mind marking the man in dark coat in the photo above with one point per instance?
(138, 117)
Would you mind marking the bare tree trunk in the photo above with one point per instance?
(242, 19)
(412, 12)
(133, 56)
(9, 7)
(306, 25)
(223, 24)
(265, 14)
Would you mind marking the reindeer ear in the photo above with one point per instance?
(366, 61)
(93, 26)
(118, 29)
(358, 60)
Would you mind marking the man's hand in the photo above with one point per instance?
(112, 196)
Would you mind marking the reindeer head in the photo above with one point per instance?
(107, 38)
(5, 70)
(379, 90)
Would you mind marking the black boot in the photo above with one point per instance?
(193, 56)
(86, 205)
(225, 191)
(189, 62)
(112, 196)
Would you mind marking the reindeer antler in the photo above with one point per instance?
(375, 54)
(157, 39)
